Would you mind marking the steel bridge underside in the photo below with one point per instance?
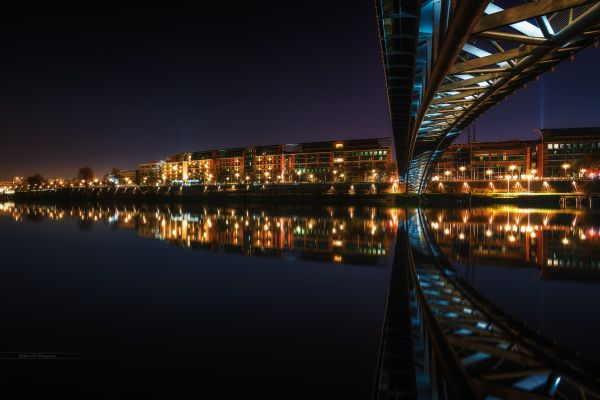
(448, 61)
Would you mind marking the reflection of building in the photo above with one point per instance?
(347, 160)
(353, 236)
(558, 153)
(555, 241)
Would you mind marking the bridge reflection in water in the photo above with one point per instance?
(464, 347)
(441, 339)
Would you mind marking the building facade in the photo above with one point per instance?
(361, 160)
(487, 160)
(557, 154)
(569, 152)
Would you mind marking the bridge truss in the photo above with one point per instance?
(448, 61)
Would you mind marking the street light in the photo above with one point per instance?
(462, 169)
(489, 173)
(507, 183)
(447, 173)
(566, 167)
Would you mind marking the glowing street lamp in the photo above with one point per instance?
(566, 166)
(489, 173)
(447, 173)
(507, 183)
(462, 169)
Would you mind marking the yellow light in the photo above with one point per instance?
(488, 233)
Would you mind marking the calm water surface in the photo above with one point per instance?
(281, 301)
(233, 300)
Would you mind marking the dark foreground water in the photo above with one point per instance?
(124, 301)
(281, 302)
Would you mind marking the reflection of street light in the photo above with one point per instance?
(529, 176)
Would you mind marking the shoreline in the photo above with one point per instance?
(362, 194)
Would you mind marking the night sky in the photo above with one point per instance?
(112, 86)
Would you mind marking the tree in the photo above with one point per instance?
(86, 173)
(36, 179)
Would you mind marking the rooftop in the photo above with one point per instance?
(567, 133)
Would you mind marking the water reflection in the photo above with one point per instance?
(558, 242)
(541, 266)
(175, 299)
(349, 235)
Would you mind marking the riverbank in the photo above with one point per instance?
(364, 193)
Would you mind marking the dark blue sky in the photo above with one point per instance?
(114, 86)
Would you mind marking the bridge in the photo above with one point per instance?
(448, 61)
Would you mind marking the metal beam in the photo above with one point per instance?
(525, 11)
(511, 37)
(512, 54)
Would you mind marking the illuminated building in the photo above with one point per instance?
(557, 154)
(362, 160)
(230, 164)
(487, 160)
(149, 173)
(565, 152)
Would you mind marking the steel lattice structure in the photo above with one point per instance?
(448, 61)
